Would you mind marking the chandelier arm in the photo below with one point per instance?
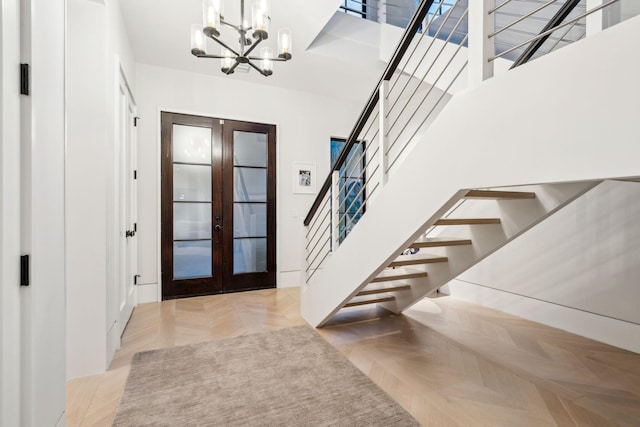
(211, 56)
(223, 44)
(233, 67)
(229, 24)
(255, 58)
(257, 69)
(253, 46)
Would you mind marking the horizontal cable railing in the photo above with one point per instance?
(519, 21)
(422, 86)
(388, 12)
(562, 22)
(318, 237)
(428, 67)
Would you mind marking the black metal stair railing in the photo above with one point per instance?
(403, 46)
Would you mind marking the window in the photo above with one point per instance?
(352, 178)
(354, 7)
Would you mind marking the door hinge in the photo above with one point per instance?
(135, 121)
(135, 174)
(24, 79)
(24, 270)
(135, 279)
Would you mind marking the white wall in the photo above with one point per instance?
(97, 41)
(305, 122)
(586, 258)
(85, 187)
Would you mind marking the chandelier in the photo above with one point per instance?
(250, 36)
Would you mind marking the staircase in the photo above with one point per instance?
(477, 175)
(474, 224)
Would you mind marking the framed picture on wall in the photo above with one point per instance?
(304, 178)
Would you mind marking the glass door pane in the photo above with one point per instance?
(191, 144)
(192, 202)
(249, 202)
(191, 259)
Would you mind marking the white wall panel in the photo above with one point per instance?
(305, 123)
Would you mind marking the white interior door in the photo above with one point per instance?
(128, 210)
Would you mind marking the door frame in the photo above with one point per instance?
(158, 129)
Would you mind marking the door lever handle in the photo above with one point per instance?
(130, 233)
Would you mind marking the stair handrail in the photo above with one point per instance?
(392, 66)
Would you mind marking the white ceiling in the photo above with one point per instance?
(159, 32)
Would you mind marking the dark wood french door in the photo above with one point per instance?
(218, 206)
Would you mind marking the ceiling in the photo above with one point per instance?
(159, 32)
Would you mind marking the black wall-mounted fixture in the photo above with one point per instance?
(24, 270)
(24, 79)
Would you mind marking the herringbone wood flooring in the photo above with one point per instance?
(447, 362)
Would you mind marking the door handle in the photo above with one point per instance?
(130, 233)
(217, 227)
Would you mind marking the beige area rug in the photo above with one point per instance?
(289, 377)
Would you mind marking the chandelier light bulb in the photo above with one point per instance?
(267, 64)
(211, 17)
(227, 61)
(284, 44)
(260, 19)
(198, 43)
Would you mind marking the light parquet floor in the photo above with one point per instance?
(447, 362)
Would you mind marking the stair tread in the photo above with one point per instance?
(354, 303)
(382, 290)
(429, 242)
(467, 221)
(398, 274)
(418, 259)
(497, 194)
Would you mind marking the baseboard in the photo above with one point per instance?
(289, 279)
(147, 293)
(614, 332)
(113, 343)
